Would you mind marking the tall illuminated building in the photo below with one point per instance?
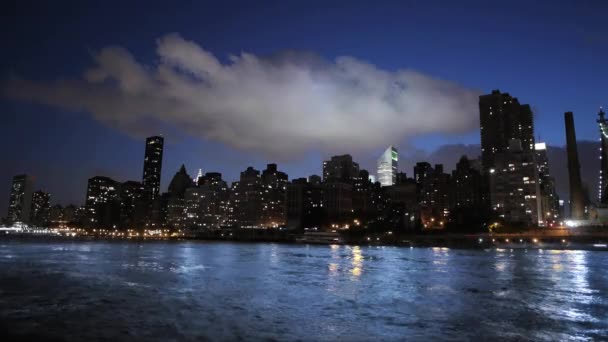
(153, 162)
(387, 167)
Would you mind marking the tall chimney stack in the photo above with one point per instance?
(577, 205)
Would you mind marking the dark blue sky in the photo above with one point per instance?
(550, 54)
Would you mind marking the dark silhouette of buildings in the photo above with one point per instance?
(517, 188)
(433, 194)
(577, 197)
(39, 214)
(469, 188)
(401, 207)
(503, 118)
(69, 214)
(133, 204)
(20, 200)
(180, 182)
(304, 201)
(422, 170)
(340, 168)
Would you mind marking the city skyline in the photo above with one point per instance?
(65, 151)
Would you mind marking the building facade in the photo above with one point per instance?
(469, 188)
(41, 205)
(514, 186)
(247, 200)
(133, 205)
(433, 193)
(274, 183)
(102, 203)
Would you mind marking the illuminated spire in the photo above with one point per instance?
(198, 175)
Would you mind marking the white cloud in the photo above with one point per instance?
(280, 105)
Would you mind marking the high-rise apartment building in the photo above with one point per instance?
(514, 186)
(503, 118)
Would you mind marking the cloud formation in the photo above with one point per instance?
(279, 105)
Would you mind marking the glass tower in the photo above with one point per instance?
(387, 167)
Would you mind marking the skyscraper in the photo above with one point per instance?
(503, 118)
(387, 167)
(21, 199)
(153, 162)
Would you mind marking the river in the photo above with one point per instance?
(174, 291)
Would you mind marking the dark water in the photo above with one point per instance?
(81, 291)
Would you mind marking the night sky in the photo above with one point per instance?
(550, 54)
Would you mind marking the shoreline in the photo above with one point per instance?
(470, 241)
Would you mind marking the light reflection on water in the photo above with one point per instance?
(222, 291)
(357, 261)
